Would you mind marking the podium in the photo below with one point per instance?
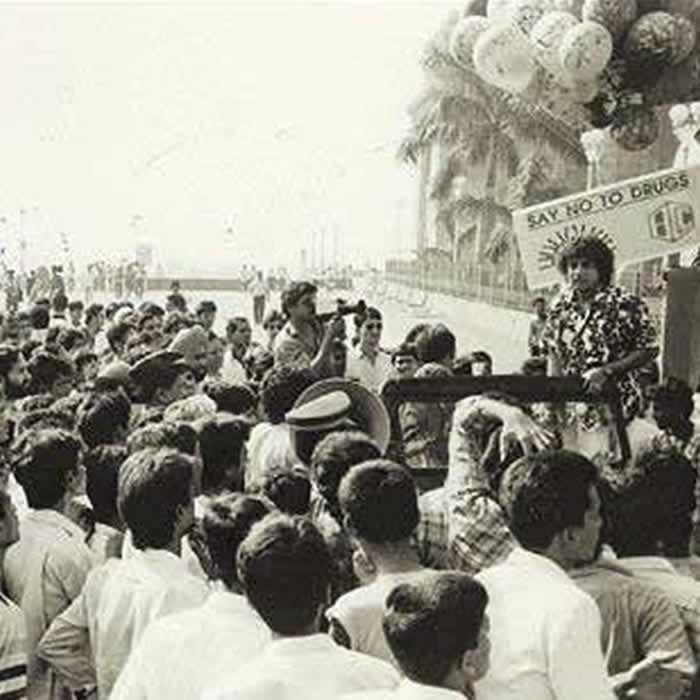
(681, 328)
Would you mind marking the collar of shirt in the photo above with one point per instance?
(521, 557)
(360, 352)
(225, 602)
(658, 564)
(301, 646)
(54, 519)
(161, 559)
(410, 689)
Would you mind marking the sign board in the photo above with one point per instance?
(643, 218)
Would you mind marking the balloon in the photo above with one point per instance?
(503, 57)
(680, 7)
(573, 7)
(615, 15)
(526, 13)
(636, 129)
(686, 37)
(585, 50)
(546, 37)
(651, 43)
(464, 36)
(498, 9)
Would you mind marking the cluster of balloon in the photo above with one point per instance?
(614, 60)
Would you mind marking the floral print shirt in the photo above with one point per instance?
(583, 337)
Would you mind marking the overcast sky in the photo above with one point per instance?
(174, 123)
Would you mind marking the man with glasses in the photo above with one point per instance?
(367, 363)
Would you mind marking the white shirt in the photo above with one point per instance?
(545, 634)
(269, 446)
(408, 690)
(44, 572)
(371, 372)
(119, 600)
(181, 654)
(361, 612)
(232, 369)
(312, 667)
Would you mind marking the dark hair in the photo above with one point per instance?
(177, 321)
(674, 399)
(177, 301)
(538, 300)
(45, 418)
(545, 493)
(370, 312)
(534, 366)
(333, 457)
(59, 302)
(175, 435)
(294, 292)
(102, 465)
(39, 317)
(480, 356)
(289, 489)
(102, 415)
(93, 311)
(230, 398)
(281, 387)
(405, 350)
(29, 347)
(117, 334)
(285, 568)
(414, 332)
(46, 369)
(431, 623)
(153, 485)
(593, 250)
(653, 504)
(436, 343)
(205, 306)
(271, 316)
(221, 439)
(378, 499)
(76, 305)
(234, 323)
(42, 462)
(69, 338)
(226, 522)
(9, 356)
(84, 357)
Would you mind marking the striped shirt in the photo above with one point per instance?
(13, 651)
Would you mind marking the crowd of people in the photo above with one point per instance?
(191, 515)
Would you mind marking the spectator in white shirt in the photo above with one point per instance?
(206, 314)
(367, 363)
(379, 503)
(181, 654)
(270, 443)
(123, 596)
(238, 335)
(45, 571)
(546, 634)
(438, 631)
(285, 569)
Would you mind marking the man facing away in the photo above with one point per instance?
(123, 596)
(181, 654)
(285, 569)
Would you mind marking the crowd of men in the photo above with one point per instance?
(186, 515)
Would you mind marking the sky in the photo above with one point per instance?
(220, 134)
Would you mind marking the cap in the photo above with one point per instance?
(189, 341)
(367, 410)
(116, 373)
(326, 412)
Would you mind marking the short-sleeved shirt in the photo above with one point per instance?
(584, 337)
(294, 348)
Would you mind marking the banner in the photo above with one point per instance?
(646, 217)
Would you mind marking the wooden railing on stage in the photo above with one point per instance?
(525, 389)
